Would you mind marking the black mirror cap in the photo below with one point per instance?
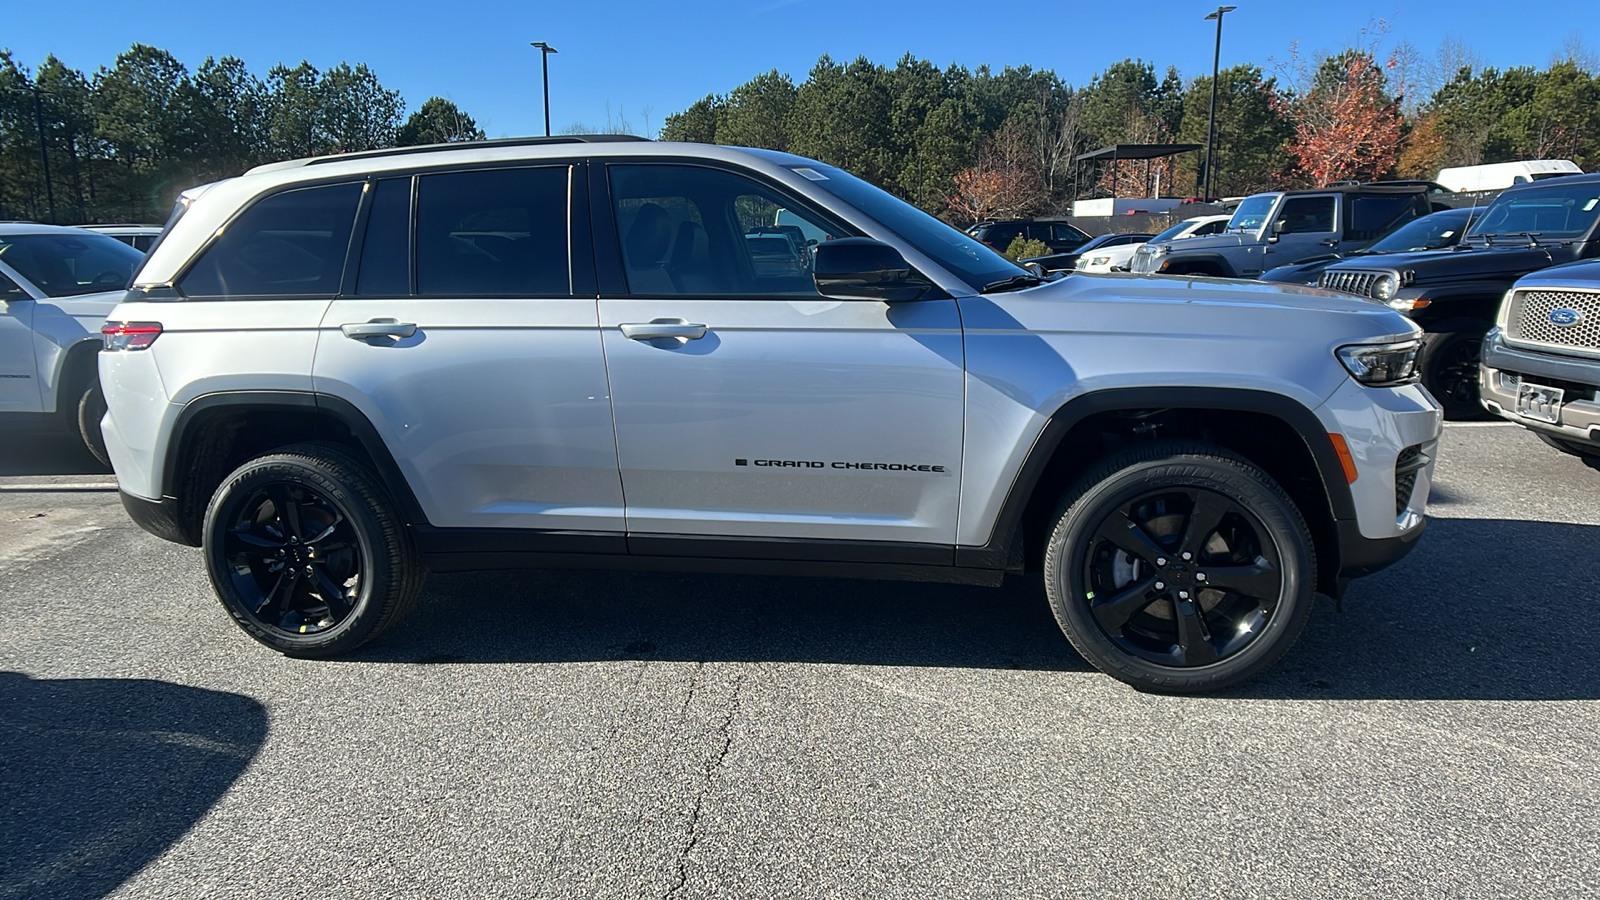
(865, 269)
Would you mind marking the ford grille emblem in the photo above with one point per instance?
(1565, 317)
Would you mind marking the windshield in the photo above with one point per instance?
(1557, 209)
(1252, 212)
(958, 253)
(1175, 231)
(1433, 232)
(64, 264)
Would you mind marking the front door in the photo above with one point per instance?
(19, 388)
(747, 405)
(1307, 226)
(467, 340)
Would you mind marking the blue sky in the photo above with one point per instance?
(644, 60)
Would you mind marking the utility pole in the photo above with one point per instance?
(544, 58)
(1211, 117)
(44, 147)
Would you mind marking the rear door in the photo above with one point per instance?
(19, 384)
(753, 415)
(468, 336)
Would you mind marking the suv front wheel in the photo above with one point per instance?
(306, 553)
(1180, 567)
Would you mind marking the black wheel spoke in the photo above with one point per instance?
(1114, 611)
(1258, 580)
(1204, 519)
(253, 542)
(331, 592)
(326, 532)
(1194, 638)
(288, 510)
(1129, 536)
(272, 604)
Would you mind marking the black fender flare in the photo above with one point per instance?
(323, 405)
(1214, 259)
(1002, 537)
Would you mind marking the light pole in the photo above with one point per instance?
(1211, 117)
(544, 58)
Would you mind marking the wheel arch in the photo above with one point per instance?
(214, 433)
(78, 364)
(1275, 432)
(1189, 262)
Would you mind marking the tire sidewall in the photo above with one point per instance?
(91, 409)
(1283, 528)
(1437, 349)
(225, 506)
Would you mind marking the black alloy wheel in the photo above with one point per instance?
(1181, 577)
(293, 557)
(1450, 372)
(1180, 567)
(306, 552)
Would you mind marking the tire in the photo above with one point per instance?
(1589, 455)
(1450, 372)
(91, 409)
(1138, 609)
(306, 553)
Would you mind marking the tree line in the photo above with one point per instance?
(121, 142)
(971, 144)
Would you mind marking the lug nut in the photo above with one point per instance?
(1200, 576)
(1183, 595)
(1161, 560)
(1160, 586)
(1187, 555)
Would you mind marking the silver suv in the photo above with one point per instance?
(336, 374)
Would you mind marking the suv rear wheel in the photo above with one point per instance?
(305, 551)
(1179, 567)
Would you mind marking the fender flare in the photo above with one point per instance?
(1297, 416)
(1216, 259)
(323, 405)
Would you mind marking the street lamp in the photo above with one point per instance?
(1211, 118)
(544, 57)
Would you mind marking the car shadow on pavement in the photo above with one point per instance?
(1484, 609)
(47, 453)
(99, 776)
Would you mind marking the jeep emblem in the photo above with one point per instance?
(1565, 317)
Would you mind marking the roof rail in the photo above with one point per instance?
(469, 145)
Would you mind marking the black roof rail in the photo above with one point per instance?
(471, 145)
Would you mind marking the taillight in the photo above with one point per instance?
(130, 335)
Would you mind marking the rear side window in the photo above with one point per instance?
(1372, 214)
(289, 244)
(501, 232)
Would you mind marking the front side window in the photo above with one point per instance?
(288, 244)
(500, 232)
(63, 264)
(1307, 215)
(687, 230)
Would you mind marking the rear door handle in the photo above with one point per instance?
(681, 329)
(360, 331)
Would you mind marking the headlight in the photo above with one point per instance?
(1099, 260)
(1381, 365)
(1161, 250)
(1385, 287)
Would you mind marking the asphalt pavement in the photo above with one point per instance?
(593, 734)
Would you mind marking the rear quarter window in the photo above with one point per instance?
(288, 244)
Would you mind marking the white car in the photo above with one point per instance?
(1109, 252)
(57, 285)
(139, 237)
(1120, 257)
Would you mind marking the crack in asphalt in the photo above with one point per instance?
(713, 766)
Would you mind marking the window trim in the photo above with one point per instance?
(613, 278)
(1283, 210)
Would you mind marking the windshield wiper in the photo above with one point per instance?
(1015, 282)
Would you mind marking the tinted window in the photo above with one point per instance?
(68, 263)
(1002, 235)
(1372, 214)
(288, 244)
(1307, 214)
(1427, 233)
(1067, 233)
(9, 290)
(1252, 212)
(1557, 208)
(386, 249)
(705, 232)
(500, 232)
(1209, 228)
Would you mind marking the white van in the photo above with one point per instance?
(1495, 176)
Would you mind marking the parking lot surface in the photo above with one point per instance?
(558, 734)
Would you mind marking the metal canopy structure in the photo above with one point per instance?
(1118, 152)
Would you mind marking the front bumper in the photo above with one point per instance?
(1393, 436)
(1505, 366)
(159, 517)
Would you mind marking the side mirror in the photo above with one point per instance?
(865, 269)
(1276, 230)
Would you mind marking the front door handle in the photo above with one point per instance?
(681, 329)
(1330, 242)
(360, 331)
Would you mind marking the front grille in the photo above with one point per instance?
(1406, 467)
(1350, 282)
(1528, 320)
(1141, 260)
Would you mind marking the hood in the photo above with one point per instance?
(1303, 272)
(1208, 241)
(1584, 274)
(1461, 262)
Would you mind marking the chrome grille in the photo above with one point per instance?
(1528, 320)
(1141, 260)
(1350, 282)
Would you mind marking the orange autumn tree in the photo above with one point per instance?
(1005, 183)
(1347, 125)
